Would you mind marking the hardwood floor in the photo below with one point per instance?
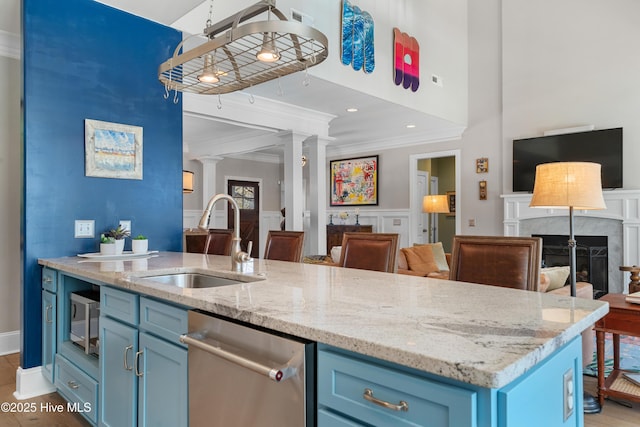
(613, 414)
(38, 418)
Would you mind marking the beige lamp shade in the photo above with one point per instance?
(187, 181)
(568, 184)
(435, 203)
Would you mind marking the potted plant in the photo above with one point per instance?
(139, 244)
(118, 234)
(107, 245)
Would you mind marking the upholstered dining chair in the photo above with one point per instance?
(214, 242)
(511, 262)
(284, 245)
(369, 251)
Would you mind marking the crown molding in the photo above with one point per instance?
(10, 45)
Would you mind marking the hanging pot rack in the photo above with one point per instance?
(233, 48)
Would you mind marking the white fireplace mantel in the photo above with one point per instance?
(622, 205)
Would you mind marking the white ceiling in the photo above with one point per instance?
(375, 124)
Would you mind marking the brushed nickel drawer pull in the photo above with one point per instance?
(402, 406)
(48, 280)
(47, 311)
(72, 384)
(136, 364)
(126, 351)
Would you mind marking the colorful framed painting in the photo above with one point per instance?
(112, 150)
(354, 182)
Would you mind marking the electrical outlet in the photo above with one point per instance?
(84, 229)
(125, 224)
(568, 392)
(472, 222)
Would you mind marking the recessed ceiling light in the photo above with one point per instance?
(411, 126)
(352, 110)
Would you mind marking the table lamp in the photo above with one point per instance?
(435, 204)
(572, 185)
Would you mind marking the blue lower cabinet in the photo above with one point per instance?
(80, 390)
(48, 334)
(163, 386)
(144, 376)
(380, 396)
(118, 384)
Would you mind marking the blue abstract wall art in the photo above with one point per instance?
(357, 47)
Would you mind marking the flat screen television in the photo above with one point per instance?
(598, 146)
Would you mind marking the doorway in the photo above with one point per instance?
(247, 196)
(448, 224)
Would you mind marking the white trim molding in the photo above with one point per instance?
(9, 342)
(31, 383)
(10, 45)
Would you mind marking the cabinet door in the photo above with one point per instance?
(118, 382)
(48, 334)
(163, 387)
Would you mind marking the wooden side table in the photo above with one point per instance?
(623, 319)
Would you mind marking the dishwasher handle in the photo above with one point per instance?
(276, 374)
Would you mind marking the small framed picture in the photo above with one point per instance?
(451, 198)
(482, 165)
(112, 150)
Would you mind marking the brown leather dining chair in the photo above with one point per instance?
(511, 262)
(369, 251)
(284, 245)
(214, 242)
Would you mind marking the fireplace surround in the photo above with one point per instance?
(620, 222)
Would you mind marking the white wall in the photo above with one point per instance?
(440, 26)
(571, 63)
(10, 194)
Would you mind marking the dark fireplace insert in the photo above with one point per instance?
(592, 258)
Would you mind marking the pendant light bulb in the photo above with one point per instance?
(209, 74)
(268, 52)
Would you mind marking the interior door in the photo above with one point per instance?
(247, 196)
(421, 227)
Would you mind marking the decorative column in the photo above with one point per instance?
(293, 190)
(209, 184)
(317, 164)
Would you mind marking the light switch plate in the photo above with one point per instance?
(84, 229)
(125, 224)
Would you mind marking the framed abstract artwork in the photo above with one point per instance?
(354, 182)
(112, 150)
(451, 198)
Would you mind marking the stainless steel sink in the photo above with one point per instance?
(193, 280)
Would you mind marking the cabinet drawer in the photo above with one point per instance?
(164, 320)
(342, 381)
(49, 281)
(119, 305)
(329, 419)
(78, 388)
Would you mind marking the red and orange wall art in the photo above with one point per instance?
(406, 52)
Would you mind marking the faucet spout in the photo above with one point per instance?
(238, 257)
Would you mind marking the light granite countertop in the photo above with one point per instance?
(483, 335)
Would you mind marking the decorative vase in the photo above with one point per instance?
(139, 246)
(119, 246)
(107, 248)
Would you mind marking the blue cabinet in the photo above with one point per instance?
(144, 377)
(356, 390)
(48, 334)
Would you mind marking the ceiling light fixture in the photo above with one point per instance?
(411, 126)
(290, 46)
(352, 110)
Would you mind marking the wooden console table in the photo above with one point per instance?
(335, 232)
(623, 319)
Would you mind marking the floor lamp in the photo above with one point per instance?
(572, 185)
(434, 204)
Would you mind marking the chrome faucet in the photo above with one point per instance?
(238, 256)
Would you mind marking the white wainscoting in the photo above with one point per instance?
(382, 221)
(9, 342)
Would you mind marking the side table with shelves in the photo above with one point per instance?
(335, 232)
(623, 319)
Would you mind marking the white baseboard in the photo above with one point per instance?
(9, 342)
(31, 383)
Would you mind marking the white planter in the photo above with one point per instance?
(139, 246)
(107, 248)
(119, 246)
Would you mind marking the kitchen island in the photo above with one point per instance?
(460, 334)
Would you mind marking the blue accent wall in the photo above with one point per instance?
(84, 60)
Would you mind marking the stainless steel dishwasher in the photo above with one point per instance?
(241, 376)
